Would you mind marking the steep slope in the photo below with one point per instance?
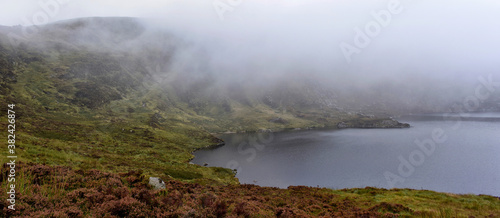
(73, 108)
(100, 92)
(108, 94)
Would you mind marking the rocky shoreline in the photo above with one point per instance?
(373, 124)
(362, 123)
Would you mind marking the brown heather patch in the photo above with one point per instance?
(45, 191)
(62, 192)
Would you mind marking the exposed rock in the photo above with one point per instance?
(157, 183)
(342, 125)
(265, 130)
(372, 123)
(278, 120)
(269, 101)
(155, 120)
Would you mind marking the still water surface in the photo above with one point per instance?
(465, 158)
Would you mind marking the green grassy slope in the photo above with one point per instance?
(91, 108)
(96, 122)
(81, 105)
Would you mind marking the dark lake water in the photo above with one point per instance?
(451, 153)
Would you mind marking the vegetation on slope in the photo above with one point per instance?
(100, 112)
(62, 192)
(67, 117)
(95, 108)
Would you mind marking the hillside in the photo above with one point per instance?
(93, 193)
(108, 94)
(83, 103)
(85, 100)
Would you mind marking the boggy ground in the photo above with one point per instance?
(56, 191)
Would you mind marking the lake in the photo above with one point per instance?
(456, 153)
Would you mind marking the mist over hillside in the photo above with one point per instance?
(99, 89)
(206, 68)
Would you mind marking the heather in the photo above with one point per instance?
(57, 191)
(95, 120)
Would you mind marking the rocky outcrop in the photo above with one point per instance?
(343, 125)
(157, 183)
(278, 120)
(372, 123)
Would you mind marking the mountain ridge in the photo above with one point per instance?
(97, 103)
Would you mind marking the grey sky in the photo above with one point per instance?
(432, 38)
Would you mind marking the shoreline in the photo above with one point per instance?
(376, 123)
(392, 124)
